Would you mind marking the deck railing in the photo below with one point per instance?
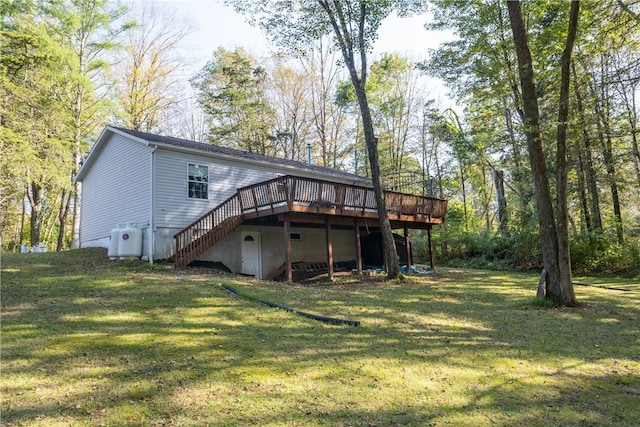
(291, 193)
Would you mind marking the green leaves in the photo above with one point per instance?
(231, 91)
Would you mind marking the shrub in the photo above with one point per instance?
(601, 253)
(591, 253)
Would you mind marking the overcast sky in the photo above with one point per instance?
(216, 25)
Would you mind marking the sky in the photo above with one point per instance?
(215, 25)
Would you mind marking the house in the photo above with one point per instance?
(255, 214)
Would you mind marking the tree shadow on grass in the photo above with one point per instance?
(159, 347)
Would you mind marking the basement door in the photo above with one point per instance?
(251, 253)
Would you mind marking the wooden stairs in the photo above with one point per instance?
(207, 230)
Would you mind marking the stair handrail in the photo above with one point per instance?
(186, 249)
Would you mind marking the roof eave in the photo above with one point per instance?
(108, 131)
(265, 163)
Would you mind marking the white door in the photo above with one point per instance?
(251, 255)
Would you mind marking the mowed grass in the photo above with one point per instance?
(88, 342)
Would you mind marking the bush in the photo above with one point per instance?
(481, 250)
(601, 253)
(591, 253)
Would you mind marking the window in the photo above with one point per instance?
(198, 181)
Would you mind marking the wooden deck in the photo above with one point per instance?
(303, 200)
(304, 195)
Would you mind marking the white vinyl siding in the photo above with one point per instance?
(173, 206)
(117, 189)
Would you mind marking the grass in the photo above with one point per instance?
(88, 342)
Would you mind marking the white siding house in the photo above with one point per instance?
(162, 184)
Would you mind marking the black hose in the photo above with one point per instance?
(604, 287)
(325, 319)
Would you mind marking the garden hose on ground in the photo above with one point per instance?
(325, 319)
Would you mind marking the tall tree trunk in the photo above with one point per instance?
(628, 93)
(464, 198)
(613, 183)
(35, 201)
(590, 171)
(503, 218)
(518, 174)
(564, 254)
(75, 215)
(604, 134)
(634, 146)
(558, 287)
(22, 217)
(583, 192)
(339, 24)
(607, 150)
(63, 214)
(486, 199)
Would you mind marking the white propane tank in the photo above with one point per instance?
(130, 242)
(114, 237)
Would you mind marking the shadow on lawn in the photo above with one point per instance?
(162, 347)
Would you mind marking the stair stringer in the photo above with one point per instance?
(206, 231)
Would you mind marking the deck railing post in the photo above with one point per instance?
(358, 246)
(291, 193)
(255, 198)
(287, 248)
(329, 240)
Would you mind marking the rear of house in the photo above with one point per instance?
(163, 184)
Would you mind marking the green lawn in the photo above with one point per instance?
(88, 342)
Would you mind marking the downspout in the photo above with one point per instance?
(152, 230)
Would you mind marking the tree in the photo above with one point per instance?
(148, 87)
(554, 237)
(231, 91)
(392, 89)
(353, 25)
(83, 27)
(396, 108)
(289, 96)
(328, 118)
(480, 67)
(34, 120)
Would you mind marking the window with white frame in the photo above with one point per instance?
(198, 181)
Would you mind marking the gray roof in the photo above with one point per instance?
(210, 148)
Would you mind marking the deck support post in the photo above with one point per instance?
(329, 248)
(287, 247)
(430, 247)
(407, 246)
(384, 254)
(358, 247)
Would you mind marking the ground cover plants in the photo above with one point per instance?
(88, 342)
